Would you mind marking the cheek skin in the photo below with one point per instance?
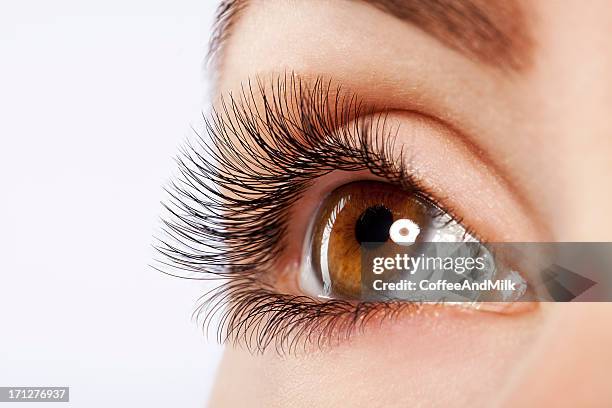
(570, 363)
(441, 357)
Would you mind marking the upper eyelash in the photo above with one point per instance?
(266, 176)
(316, 128)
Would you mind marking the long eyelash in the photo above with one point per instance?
(227, 212)
(258, 318)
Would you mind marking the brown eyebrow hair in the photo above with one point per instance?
(492, 33)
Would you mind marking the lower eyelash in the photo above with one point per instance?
(227, 212)
(259, 319)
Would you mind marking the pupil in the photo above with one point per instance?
(373, 224)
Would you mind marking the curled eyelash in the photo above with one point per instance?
(258, 318)
(228, 210)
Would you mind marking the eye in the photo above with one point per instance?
(234, 214)
(367, 212)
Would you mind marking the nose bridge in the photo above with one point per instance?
(574, 76)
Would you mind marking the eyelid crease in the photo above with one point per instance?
(518, 195)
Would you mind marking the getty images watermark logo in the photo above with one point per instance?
(407, 268)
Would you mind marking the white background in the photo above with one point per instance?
(95, 98)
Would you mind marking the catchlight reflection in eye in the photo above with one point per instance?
(372, 212)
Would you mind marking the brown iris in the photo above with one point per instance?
(357, 214)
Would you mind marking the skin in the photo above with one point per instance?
(522, 156)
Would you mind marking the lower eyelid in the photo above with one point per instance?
(260, 319)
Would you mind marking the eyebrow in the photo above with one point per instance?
(492, 33)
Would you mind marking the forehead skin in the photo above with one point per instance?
(494, 33)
